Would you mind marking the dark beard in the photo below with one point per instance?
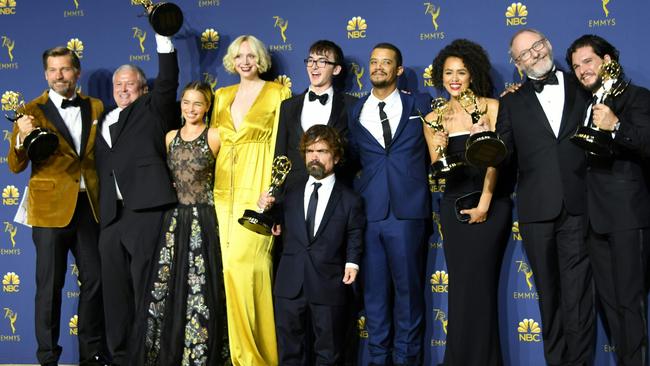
(596, 85)
(316, 170)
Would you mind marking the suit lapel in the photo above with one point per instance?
(297, 215)
(337, 108)
(118, 126)
(329, 209)
(407, 106)
(86, 123)
(52, 115)
(355, 121)
(569, 100)
(530, 98)
(296, 112)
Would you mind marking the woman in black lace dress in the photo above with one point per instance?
(185, 306)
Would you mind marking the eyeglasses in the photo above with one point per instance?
(309, 62)
(526, 54)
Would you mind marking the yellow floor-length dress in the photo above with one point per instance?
(243, 171)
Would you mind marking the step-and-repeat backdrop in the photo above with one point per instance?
(106, 34)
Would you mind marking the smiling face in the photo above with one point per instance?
(127, 87)
(586, 65)
(246, 62)
(194, 106)
(455, 76)
(61, 75)
(320, 78)
(534, 62)
(384, 69)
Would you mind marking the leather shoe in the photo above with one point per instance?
(97, 359)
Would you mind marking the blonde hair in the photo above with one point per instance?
(262, 56)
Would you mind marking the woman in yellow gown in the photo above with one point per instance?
(246, 115)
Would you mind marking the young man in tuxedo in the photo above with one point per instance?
(135, 188)
(536, 123)
(322, 231)
(63, 206)
(618, 201)
(386, 135)
(322, 103)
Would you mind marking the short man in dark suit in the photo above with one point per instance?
(536, 123)
(618, 201)
(135, 187)
(386, 135)
(63, 206)
(323, 103)
(322, 231)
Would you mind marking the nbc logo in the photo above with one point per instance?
(209, 39)
(77, 46)
(529, 331)
(11, 282)
(284, 80)
(73, 324)
(427, 76)
(7, 7)
(361, 324)
(516, 14)
(11, 100)
(10, 195)
(516, 235)
(357, 28)
(439, 282)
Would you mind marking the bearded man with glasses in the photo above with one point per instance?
(536, 122)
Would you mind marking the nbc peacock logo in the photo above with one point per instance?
(7, 7)
(284, 80)
(10, 100)
(209, 39)
(10, 195)
(77, 46)
(72, 324)
(11, 282)
(529, 331)
(516, 14)
(427, 76)
(361, 324)
(439, 282)
(357, 28)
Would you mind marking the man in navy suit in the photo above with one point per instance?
(386, 135)
(618, 201)
(322, 233)
(323, 103)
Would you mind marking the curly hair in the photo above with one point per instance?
(318, 133)
(263, 59)
(474, 58)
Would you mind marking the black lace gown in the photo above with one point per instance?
(185, 308)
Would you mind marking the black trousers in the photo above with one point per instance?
(619, 264)
(52, 246)
(127, 246)
(557, 252)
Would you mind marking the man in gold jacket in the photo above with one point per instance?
(62, 206)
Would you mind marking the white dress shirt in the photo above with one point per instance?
(552, 101)
(314, 113)
(324, 193)
(369, 117)
(72, 118)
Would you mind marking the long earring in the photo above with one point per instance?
(182, 120)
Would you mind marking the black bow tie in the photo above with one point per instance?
(550, 79)
(76, 102)
(321, 98)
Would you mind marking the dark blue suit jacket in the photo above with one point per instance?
(394, 178)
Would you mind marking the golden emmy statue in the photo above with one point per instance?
(40, 143)
(445, 163)
(165, 18)
(591, 138)
(482, 149)
(258, 221)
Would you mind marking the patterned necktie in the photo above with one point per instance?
(385, 125)
(311, 210)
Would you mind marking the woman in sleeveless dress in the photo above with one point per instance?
(473, 249)
(185, 305)
(246, 115)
